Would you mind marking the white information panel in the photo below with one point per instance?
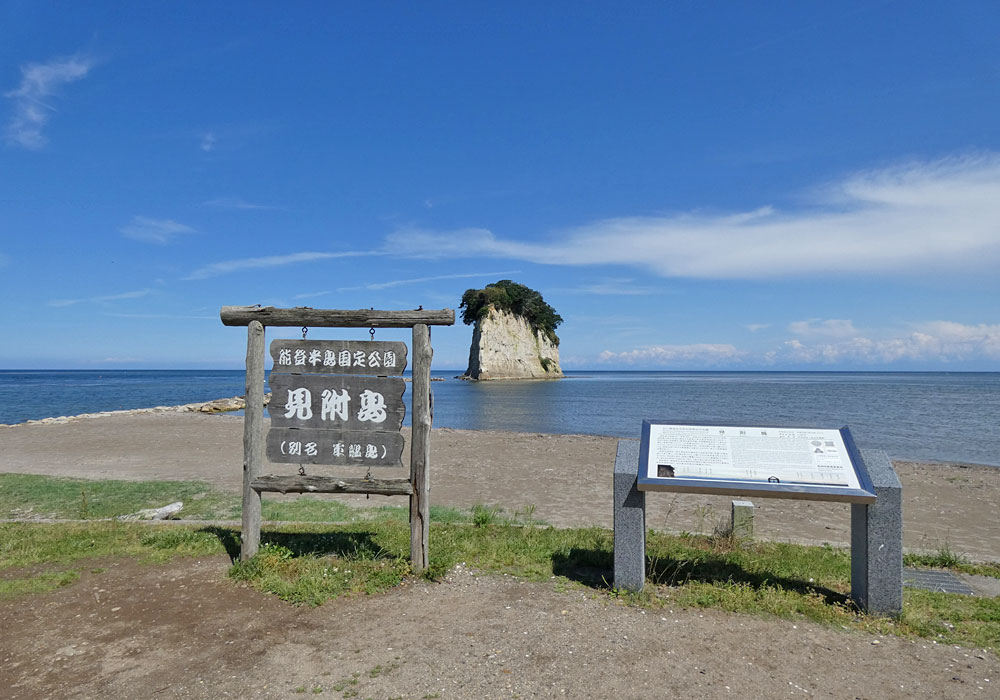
(787, 462)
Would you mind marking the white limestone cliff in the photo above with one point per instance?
(505, 346)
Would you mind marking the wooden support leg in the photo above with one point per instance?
(253, 439)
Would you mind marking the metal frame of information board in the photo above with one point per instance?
(256, 318)
(731, 487)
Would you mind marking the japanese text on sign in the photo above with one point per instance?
(355, 403)
(339, 357)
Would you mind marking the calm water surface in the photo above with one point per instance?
(912, 415)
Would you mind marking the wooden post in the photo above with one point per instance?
(420, 448)
(253, 439)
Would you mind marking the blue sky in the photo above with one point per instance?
(789, 185)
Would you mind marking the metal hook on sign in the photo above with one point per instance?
(302, 470)
(371, 332)
(304, 331)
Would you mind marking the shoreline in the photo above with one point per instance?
(566, 480)
(234, 404)
(215, 406)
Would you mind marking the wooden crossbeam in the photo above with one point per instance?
(331, 484)
(334, 318)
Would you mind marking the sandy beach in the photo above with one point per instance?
(566, 478)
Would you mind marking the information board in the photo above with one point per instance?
(782, 462)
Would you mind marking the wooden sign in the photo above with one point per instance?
(336, 403)
(379, 358)
(294, 399)
(366, 448)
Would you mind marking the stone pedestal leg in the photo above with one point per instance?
(877, 541)
(630, 519)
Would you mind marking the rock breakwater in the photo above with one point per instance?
(227, 405)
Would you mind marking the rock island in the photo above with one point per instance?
(514, 333)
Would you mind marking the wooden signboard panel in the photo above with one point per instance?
(364, 448)
(336, 403)
(379, 358)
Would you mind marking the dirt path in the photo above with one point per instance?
(185, 631)
(567, 478)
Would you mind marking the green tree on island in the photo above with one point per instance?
(513, 298)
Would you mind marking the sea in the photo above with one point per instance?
(923, 416)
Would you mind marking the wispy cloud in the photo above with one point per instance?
(435, 278)
(161, 231)
(942, 215)
(754, 327)
(208, 141)
(235, 203)
(32, 106)
(829, 328)
(138, 293)
(165, 316)
(622, 286)
(700, 354)
(313, 295)
(227, 266)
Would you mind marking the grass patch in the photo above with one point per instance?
(312, 579)
(946, 558)
(41, 583)
(32, 495)
(309, 564)
(40, 557)
(35, 496)
(31, 544)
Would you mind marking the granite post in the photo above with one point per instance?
(630, 519)
(741, 519)
(877, 541)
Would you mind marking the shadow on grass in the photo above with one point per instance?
(339, 544)
(595, 568)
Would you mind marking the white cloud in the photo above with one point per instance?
(136, 294)
(39, 82)
(829, 328)
(928, 342)
(227, 266)
(754, 327)
(920, 216)
(161, 231)
(932, 341)
(700, 354)
(208, 141)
